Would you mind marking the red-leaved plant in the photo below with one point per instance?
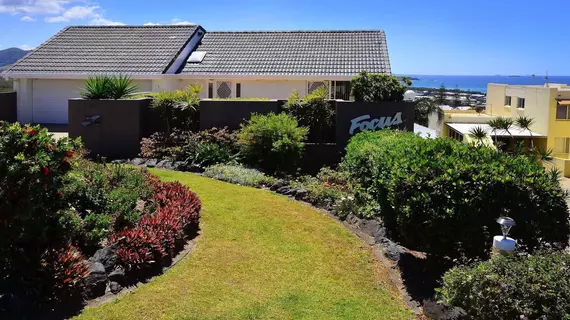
(156, 237)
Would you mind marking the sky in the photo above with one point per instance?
(437, 37)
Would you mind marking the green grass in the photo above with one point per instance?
(262, 256)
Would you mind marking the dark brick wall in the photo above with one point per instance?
(8, 106)
(228, 113)
(118, 131)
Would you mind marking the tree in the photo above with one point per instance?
(501, 123)
(378, 87)
(440, 95)
(495, 125)
(424, 108)
(456, 98)
(479, 134)
(525, 123)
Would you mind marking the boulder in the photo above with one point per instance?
(117, 275)
(162, 164)
(283, 190)
(392, 250)
(151, 163)
(278, 184)
(138, 161)
(195, 168)
(301, 194)
(119, 161)
(115, 287)
(95, 281)
(291, 193)
(179, 165)
(107, 257)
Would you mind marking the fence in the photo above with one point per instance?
(8, 106)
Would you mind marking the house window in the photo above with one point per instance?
(340, 90)
(210, 90)
(455, 135)
(520, 103)
(562, 112)
(508, 101)
(314, 85)
(238, 90)
(224, 90)
(561, 145)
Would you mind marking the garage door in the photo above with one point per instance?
(50, 98)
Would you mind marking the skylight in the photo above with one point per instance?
(197, 56)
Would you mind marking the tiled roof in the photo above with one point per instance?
(108, 49)
(292, 53)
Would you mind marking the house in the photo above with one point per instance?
(548, 105)
(265, 64)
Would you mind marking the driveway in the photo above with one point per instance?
(57, 130)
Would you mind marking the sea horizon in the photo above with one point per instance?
(479, 82)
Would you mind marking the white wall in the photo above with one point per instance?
(278, 89)
(178, 84)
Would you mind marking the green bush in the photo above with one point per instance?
(443, 197)
(378, 87)
(315, 113)
(272, 142)
(239, 175)
(511, 287)
(108, 87)
(179, 108)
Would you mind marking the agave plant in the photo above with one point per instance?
(108, 87)
(479, 134)
(526, 123)
(543, 155)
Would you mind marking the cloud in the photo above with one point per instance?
(100, 21)
(26, 47)
(75, 13)
(32, 6)
(27, 19)
(178, 22)
(152, 24)
(56, 19)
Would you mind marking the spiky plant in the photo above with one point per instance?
(479, 134)
(543, 155)
(495, 125)
(525, 123)
(122, 87)
(108, 87)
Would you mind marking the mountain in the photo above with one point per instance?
(11, 55)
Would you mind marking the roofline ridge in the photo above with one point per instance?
(300, 31)
(137, 26)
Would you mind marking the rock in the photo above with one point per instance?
(138, 161)
(195, 168)
(118, 275)
(292, 192)
(95, 281)
(151, 163)
(278, 184)
(301, 194)
(107, 257)
(115, 287)
(179, 165)
(119, 161)
(392, 250)
(163, 164)
(374, 228)
(283, 190)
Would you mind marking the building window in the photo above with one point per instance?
(520, 103)
(562, 113)
(455, 135)
(224, 90)
(508, 101)
(561, 145)
(340, 90)
(238, 90)
(314, 85)
(210, 90)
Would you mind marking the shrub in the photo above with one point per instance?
(179, 108)
(162, 145)
(156, 237)
(239, 175)
(108, 87)
(320, 193)
(512, 287)
(314, 112)
(443, 197)
(378, 87)
(272, 142)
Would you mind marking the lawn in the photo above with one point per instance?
(262, 256)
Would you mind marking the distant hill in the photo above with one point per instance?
(10, 55)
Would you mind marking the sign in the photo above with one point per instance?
(355, 117)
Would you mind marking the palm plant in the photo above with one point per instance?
(543, 155)
(108, 87)
(424, 108)
(479, 134)
(122, 87)
(495, 125)
(525, 123)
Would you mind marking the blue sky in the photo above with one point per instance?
(459, 37)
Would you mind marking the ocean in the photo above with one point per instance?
(479, 83)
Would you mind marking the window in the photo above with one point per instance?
(210, 90)
(561, 145)
(314, 85)
(224, 90)
(562, 112)
(520, 103)
(508, 101)
(455, 135)
(238, 90)
(340, 90)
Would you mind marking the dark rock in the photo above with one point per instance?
(278, 184)
(119, 161)
(162, 164)
(374, 228)
(151, 163)
(292, 192)
(195, 168)
(440, 311)
(138, 161)
(106, 256)
(118, 275)
(284, 190)
(179, 165)
(392, 250)
(115, 287)
(95, 281)
(301, 194)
